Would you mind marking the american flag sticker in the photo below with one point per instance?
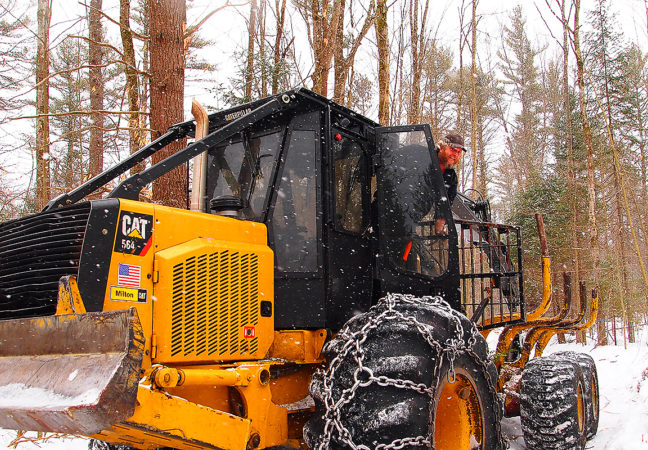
(129, 275)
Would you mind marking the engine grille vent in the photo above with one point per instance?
(36, 251)
(214, 298)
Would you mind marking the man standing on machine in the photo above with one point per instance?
(451, 150)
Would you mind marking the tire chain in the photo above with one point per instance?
(353, 344)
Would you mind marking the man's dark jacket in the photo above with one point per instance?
(450, 180)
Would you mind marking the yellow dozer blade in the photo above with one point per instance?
(74, 373)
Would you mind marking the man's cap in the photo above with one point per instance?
(454, 140)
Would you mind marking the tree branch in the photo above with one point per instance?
(115, 61)
(103, 44)
(77, 113)
(110, 19)
(190, 31)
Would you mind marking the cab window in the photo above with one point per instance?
(350, 183)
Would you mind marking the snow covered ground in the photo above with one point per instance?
(623, 379)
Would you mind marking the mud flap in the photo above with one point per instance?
(74, 373)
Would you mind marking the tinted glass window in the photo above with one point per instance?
(413, 201)
(265, 149)
(243, 168)
(350, 175)
(224, 169)
(294, 220)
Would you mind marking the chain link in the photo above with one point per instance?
(349, 343)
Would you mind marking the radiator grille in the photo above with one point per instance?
(35, 252)
(214, 297)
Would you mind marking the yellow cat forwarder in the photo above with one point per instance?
(303, 300)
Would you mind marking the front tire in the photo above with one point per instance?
(409, 373)
(552, 405)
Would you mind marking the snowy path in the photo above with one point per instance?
(623, 379)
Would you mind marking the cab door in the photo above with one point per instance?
(415, 254)
(349, 259)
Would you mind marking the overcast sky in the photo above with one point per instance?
(227, 30)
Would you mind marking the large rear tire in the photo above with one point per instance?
(590, 376)
(409, 373)
(552, 405)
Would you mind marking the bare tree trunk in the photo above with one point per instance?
(473, 101)
(382, 34)
(168, 20)
(344, 63)
(145, 92)
(249, 69)
(42, 105)
(483, 164)
(396, 106)
(568, 297)
(419, 44)
(620, 225)
(132, 83)
(591, 180)
(70, 165)
(571, 182)
(281, 17)
(644, 181)
(642, 154)
(462, 43)
(262, 56)
(95, 53)
(339, 69)
(460, 95)
(324, 19)
(646, 8)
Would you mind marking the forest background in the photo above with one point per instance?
(554, 109)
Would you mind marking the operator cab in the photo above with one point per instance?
(349, 205)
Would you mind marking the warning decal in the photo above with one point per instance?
(249, 332)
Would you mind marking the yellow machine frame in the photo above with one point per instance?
(215, 373)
